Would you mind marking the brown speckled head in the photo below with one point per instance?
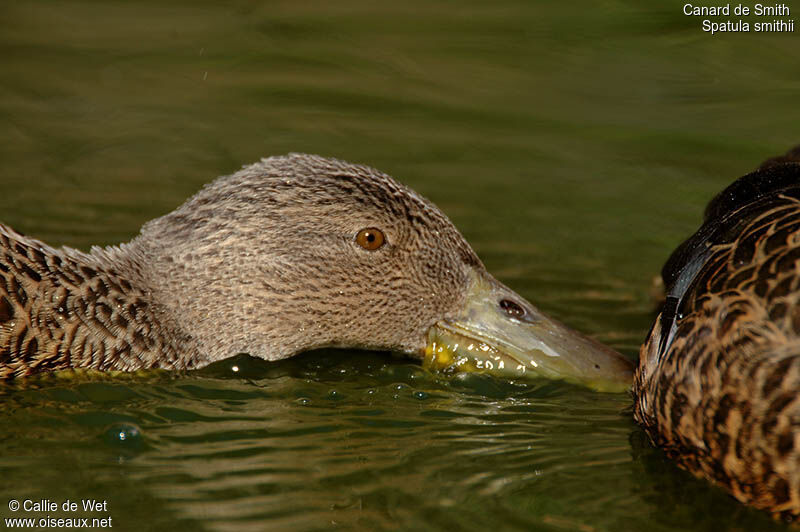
(288, 254)
(271, 252)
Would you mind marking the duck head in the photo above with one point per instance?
(302, 252)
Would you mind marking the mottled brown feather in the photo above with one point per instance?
(721, 395)
(63, 308)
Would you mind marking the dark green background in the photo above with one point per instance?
(573, 143)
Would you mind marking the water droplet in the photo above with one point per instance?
(303, 401)
(421, 395)
(124, 435)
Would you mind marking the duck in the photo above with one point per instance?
(717, 386)
(290, 254)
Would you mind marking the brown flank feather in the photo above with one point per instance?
(718, 379)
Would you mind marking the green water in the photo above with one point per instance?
(574, 145)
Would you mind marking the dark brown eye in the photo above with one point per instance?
(370, 238)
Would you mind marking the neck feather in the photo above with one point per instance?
(62, 308)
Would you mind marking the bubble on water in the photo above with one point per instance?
(124, 435)
(421, 395)
(303, 401)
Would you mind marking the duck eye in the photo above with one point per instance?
(370, 238)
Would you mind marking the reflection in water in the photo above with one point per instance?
(337, 438)
(350, 439)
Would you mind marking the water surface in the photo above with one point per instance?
(573, 145)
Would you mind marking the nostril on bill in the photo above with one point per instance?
(512, 308)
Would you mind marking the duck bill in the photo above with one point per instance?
(498, 332)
